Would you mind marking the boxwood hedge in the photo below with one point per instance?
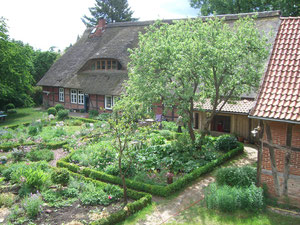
(163, 191)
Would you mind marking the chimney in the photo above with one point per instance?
(99, 29)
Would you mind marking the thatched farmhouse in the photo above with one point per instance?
(91, 73)
(278, 109)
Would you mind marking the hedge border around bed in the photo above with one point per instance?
(158, 190)
(141, 201)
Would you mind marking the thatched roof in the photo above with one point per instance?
(114, 44)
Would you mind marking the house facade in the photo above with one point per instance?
(278, 111)
(91, 73)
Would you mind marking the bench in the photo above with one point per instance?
(2, 117)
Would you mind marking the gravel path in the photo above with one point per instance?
(167, 209)
(58, 154)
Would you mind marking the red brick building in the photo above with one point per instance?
(278, 109)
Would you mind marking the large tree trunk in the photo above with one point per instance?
(273, 160)
(123, 179)
(259, 153)
(287, 159)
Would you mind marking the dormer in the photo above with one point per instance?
(102, 64)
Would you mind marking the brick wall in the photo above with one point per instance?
(279, 131)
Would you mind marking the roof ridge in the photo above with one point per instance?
(264, 14)
(290, 17)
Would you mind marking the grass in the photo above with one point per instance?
(23, 115)
(201, 215)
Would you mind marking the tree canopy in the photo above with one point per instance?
(208, 7)
(191, 61)
(20, 68)
(110, 10)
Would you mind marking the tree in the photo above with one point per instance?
(15, 70)
(42, 61)
(208, 7)
(110, 10)
(191, 61)
(123, 124)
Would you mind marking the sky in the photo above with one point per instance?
(47, 23)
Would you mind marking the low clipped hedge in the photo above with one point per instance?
(142, 200)
(6, 147)
(87, 120)
(16, 125)
(163, 191)
(55, 145)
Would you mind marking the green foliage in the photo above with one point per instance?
(77, 123)
(60, 131)
(230, 199)
(171, 52)
(18, 154)
(37, 95)
(30, 176)
(225, 143)
(104, 116)
(32, 205)
(52, 111)
(171, 126)
(220, 7)
(55, 145)
(6, 146)
(155, 189)
(157, 140)
(111, 11)
(9, 106)
(236, 176)
(128, 169)
(59, 107)
(62, 114)
(60, 176)
(40, 155)
(42, 60)
(33, 130)
(93, 113)
(15, 70)
(166, 134)
(7, 199)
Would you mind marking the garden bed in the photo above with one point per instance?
(153, 189)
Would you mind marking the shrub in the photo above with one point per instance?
(9, 106)
(229, 199)
(33, 130)
(157, 140)
(59, 132)
(93, 113)
(52, 111)
(11, 111)
(226, 143)
(103, 116)
(235, 176)
(171, 126)
(60, 176)
(166, 134)
(37, 95)
(7, 199)
(17, 154)
(76, 123)
(128, 169)
(32, 205)
(59, 107)
(63, 114)
(39, 155)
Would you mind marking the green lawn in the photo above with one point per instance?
(201, 215)
(23, 115)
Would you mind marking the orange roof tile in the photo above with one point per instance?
(279, 96)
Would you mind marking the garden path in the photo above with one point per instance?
(166, 210)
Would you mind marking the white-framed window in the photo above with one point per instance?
(80, 97)
(115, 99)
(61, 95)
(73, 96)
(108, 102)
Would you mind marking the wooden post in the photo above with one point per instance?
(259, 153)
(287, 159)
(272, 158)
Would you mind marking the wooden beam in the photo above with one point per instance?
(272, 158)
(287, 159)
